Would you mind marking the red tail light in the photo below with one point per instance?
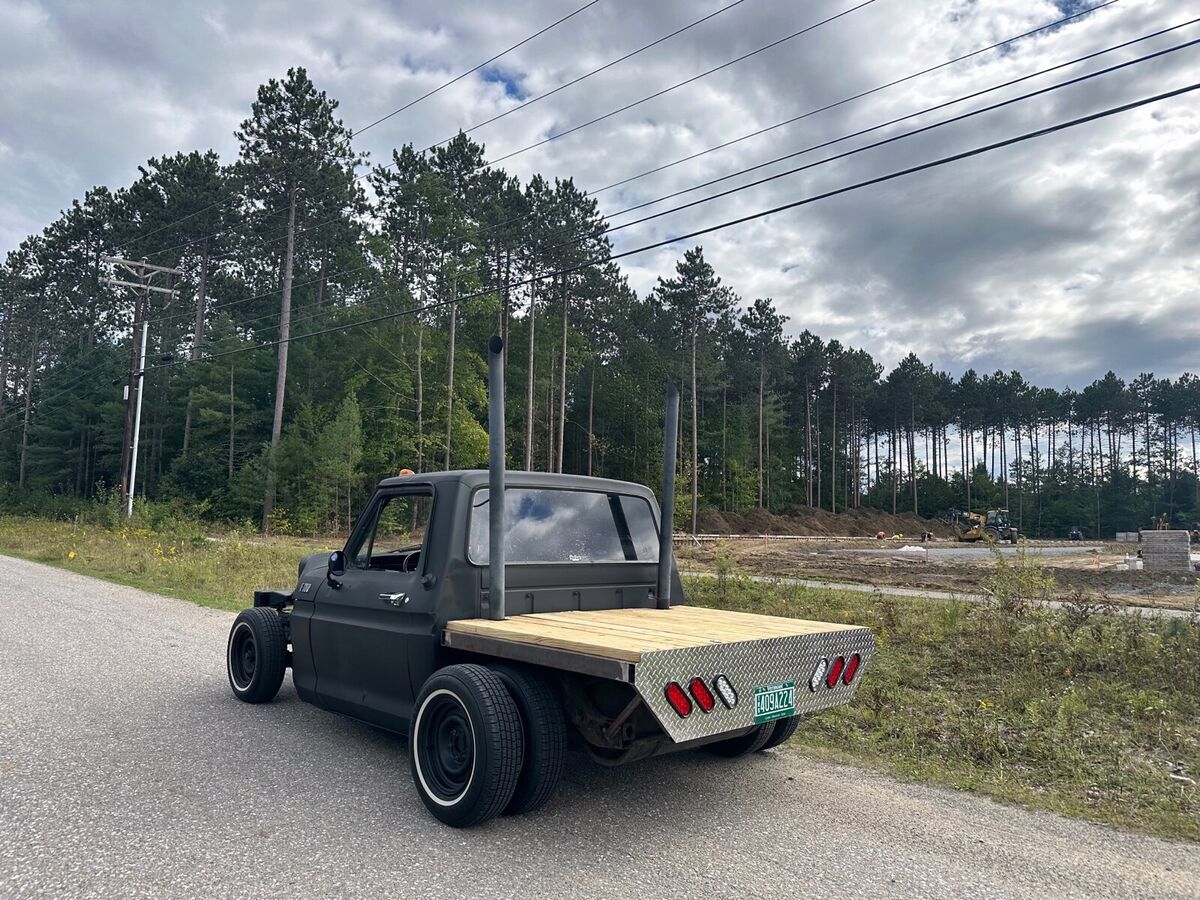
(835, 671)
(851, 669)
(679, 700)
(704, 697)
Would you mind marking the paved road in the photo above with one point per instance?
(128, 769)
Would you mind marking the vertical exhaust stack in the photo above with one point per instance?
(667, 506)
(496, 478)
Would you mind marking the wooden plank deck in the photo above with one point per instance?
(625, 634)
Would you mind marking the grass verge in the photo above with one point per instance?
(1076, 711)
(221, 571)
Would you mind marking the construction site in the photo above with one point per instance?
(908, 554)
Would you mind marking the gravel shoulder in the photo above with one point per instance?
(128, 769)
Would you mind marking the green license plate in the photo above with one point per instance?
(774, 701)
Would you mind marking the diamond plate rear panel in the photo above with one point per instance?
(748, 664)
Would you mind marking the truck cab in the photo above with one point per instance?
(368, 619)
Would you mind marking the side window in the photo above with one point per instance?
(398, 533)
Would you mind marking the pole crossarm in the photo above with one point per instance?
(140, 267)
(142, 287)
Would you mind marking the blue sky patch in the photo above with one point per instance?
(511, 82)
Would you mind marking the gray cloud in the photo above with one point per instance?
(1063, 257)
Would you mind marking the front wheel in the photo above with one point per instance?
(465, 745)
(256, 655)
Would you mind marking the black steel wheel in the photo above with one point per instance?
(256, 655)
(544, 728)
(750, 742)
(465, 745)
(784, 729)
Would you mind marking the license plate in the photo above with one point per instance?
(774, 701)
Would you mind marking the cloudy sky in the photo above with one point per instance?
(1063, 257)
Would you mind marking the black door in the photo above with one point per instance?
(362, 629)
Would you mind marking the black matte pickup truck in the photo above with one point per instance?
(494, 633)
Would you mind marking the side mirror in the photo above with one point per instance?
(337, 566)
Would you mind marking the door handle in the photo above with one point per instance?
(397, 599)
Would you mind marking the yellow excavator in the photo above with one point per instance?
(994, 525)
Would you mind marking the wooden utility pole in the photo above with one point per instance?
(144, 273)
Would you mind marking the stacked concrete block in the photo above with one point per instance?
(1166, 551)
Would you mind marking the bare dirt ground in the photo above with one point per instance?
(1096, 568)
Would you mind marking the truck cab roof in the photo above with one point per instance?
(478, 478)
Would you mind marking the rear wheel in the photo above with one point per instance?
(750, 742)
(784, 729)
(544, 729)
(465, 746)
(256, 655)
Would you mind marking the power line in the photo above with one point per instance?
(961, 58)
(611, 228)
(741, 220)
(812, 112)
(907, 134)
(593, 121)
(686, 81)
(472, 71)
(394, 112)
(606, 66)
(610, 257)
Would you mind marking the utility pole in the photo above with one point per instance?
(144, 272)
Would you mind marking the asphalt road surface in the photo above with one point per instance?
(128, 769)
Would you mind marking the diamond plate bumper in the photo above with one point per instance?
(748, 664)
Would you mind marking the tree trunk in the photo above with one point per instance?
(591, 410)
(833, 454)
(912, 451)
(562, 379)
(231, 422)
(808, 466)
(762, 377)
(725, 446)
(285, 331)
(420, 393)
(507, 307)
(33, 348)
(695, 431)
(529, 381)
(450, 369)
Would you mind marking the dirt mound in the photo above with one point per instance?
(711, 521)
(799, 520)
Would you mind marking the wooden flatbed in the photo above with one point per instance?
(624, 635)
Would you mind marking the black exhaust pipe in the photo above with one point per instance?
(496, 478)
(666, 525)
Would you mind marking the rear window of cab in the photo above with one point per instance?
(556, 525)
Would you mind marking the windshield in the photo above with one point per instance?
(555, 525)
